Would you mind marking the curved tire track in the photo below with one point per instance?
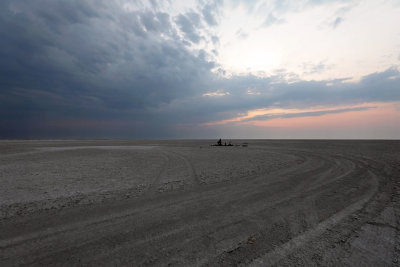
(205, 224)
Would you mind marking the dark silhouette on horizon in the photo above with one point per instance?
(219, 143)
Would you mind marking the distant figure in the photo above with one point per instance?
(219, 142)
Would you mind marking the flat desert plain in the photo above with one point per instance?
(185, 203)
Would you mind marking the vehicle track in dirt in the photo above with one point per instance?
(284, 217)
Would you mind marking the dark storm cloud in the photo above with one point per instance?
(188, 24)
(272, 92)
(156, 22)
(93, 69)
(91, 59)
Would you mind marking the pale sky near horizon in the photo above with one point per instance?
(200, 69)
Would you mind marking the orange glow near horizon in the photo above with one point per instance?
(383, 115)
(380, 114)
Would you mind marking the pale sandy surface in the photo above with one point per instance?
(117, 203)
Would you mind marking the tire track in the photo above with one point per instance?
(152, 188)
(193, 176)
(225, 226)
(90, 223)
(284, 250)
(297, 196)
(69, 230)
(203, 224)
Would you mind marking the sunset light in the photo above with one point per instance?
(199, 133)
(196, 69)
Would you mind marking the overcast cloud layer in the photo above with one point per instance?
(126, 69)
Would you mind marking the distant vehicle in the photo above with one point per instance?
(219, 143)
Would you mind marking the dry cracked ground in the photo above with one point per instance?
(185, 203)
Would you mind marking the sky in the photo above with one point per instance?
(305, 69)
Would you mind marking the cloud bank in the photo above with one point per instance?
(124, 69)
